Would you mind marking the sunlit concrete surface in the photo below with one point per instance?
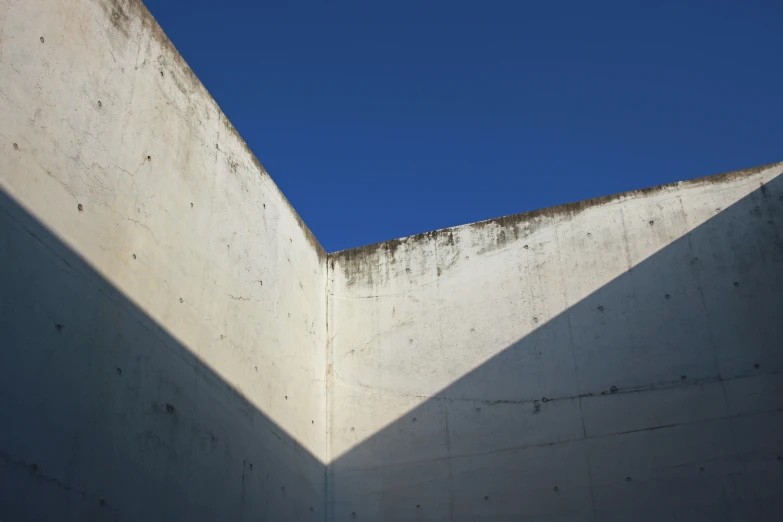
(614, 359)
(137, 219)
(176, 345)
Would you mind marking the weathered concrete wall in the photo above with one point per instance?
(162, 307)
(617, 359)
(164, 316)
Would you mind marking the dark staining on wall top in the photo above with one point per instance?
(355, 260)
(120, 13)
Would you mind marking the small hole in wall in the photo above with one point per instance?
(16, 146)
(180, 300)
(134, 256)
(149, 158)
(161, 74)
(191, 205)
(589, 234)
(286, 397)
(80, 207)
(736, 283)
(418, 506)
(628, 479)
(701, 469)
(556, 489)
(100, 104)
(682, 378)
(415, 419)
(756, 366)
(613, 389)
(486, 497)
(352, 428)
(535, 319)
(353, 515)
(42, 39)
(526, 247)
(601, 308)
(652, 222)
(312, 422)
(119, 371)
(667, 296)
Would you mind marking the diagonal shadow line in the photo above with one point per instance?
(106, 416)
(663, 389)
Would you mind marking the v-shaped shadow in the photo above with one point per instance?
(673, 413)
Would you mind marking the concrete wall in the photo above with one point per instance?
(164, 316)
(611, 360)
(162, 307)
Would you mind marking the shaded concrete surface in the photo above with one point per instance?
(175, 344)
(619, 361)
(163, 306)
(106, 416)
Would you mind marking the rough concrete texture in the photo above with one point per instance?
(176, 345)
(611, 360)
(162, 305)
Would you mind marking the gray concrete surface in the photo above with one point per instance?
(611, 360)
(162, 305)
(176, 345)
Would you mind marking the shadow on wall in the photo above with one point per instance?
(671, 404)
(105, 416)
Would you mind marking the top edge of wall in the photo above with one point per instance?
(120, 12)
(567, 209)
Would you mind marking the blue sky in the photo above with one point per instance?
(382, 119)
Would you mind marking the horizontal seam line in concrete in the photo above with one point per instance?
(557, 443)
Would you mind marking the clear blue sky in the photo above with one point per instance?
(380, 119)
